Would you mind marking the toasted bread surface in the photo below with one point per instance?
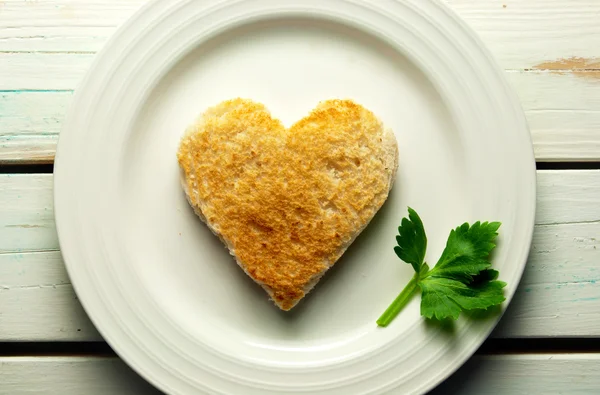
(287, 202)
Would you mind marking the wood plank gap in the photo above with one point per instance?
(27, 169)
(53, 349)
(490, 347)
(50, 52)
(35, 90)
(557, 345)
(568, 165)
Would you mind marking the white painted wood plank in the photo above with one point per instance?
(61, 25)
(554, 29)
(70, 39)
(42, 71)
(550, 374)
(26, 213)
(27, 224)
(558, 296)
(522, 34)
(49, 44)
(29, 125)
(565, 135)
(27, 149)
(565, 197)
(563, 110)
(63, 71)
(31, 113)
(35, 292)
(65, 12)
(70, 376)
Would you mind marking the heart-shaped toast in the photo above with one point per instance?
(287, 202)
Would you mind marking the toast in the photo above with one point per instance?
(287, 203)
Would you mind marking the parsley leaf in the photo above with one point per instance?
(484, 276)
(467, 251)
(444, 297)
(412, 241)
(461, 280)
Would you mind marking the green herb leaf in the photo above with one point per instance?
(467, 251)
(461, 280)
(443, 297)
(485, 276)
(411, 240)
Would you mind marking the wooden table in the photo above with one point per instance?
(549, 340)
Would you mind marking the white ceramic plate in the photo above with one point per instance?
(162, 289)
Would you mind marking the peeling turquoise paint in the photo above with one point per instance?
(17, 91)
(586, 299)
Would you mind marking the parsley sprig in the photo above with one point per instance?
(461, 280)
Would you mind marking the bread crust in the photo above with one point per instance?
(287, 202)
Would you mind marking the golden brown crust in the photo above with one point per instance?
(287, 202)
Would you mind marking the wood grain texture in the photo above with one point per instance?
(558, 296)
(29, 125)
(69, 26)
(550, 49)
(42, 71)
(522, 34)
(567, 197)
(550, 374)
(563, 111)
(70, 376)
(551, 52)
(26, 213)
(35, 292)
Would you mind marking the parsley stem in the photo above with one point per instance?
(399, 303)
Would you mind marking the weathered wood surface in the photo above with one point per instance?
(550, 374)
(550, 49)
(558, 296)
